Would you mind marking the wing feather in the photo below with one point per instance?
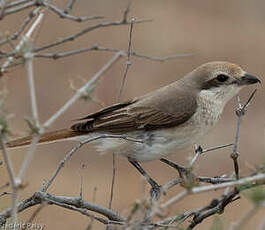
(166, 108)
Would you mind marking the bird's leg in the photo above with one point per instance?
(185, 173)
(198, 151)
(156, 188)
(181, 170)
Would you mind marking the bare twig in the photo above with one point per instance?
(170, 220)
(128, 63)
(3, 5)
(31, 84)
(185, 171)
(4, 186)
(246, 180)
(234, 154)
(126, 11)
(14, 182)
(77, 204)
(29, 156)
(69, 6)
(199, 150)
(213, 180)
(33, 100)
(81, 91)
(73, 203)
(216, 147)
(62, 13)
(216, 206)
(26, 22)
(161, 59)
(118, 98)
(80, 210)
(22, 42)
(78, 146)
(171, 184)
(22, 5)
(25, 5)
(5, 193)
(105, 49)
(113, 179)
(33, 13)
(240, 112)
(199, 189)
(16, 3)
(84, 31)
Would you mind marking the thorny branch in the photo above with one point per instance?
(16, 9)
(78, 146)
(62, 14)
(15, 36)
(240, 112)
(77, 204)
(72, 203)
(35, 11)
(84, 31)
(216, 206)
(69, 6)
(81, 91)
(16, 181)
(13, 181)
(56, 56)
(128, 64)
(17, 6)
(41, 128)
(4, 186)
(22, 43)
(226, 198)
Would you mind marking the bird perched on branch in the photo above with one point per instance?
(165, 120)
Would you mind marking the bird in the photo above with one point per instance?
(166, 120)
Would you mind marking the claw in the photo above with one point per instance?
(156, 192)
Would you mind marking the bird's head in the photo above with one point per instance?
(219, 81)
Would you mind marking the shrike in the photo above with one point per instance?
(166, 120)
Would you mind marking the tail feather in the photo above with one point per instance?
(45, 138)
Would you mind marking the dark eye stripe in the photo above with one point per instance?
(213, 83)
(210, 84)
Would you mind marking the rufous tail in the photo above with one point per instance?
(45, 138)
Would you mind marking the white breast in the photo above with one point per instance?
(159, 143)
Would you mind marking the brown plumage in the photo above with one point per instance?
(46, 137)
(153, 111)
(187, 102)
(149, 112)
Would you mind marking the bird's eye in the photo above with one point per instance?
(222, 78)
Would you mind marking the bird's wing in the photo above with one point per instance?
(163, 109)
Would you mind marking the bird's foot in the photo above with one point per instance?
(156, 192)
(198, 149)
(181, 170)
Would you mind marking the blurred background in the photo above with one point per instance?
(226, 30)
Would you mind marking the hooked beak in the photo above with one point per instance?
(248, 79)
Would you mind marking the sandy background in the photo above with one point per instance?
(213, 30)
